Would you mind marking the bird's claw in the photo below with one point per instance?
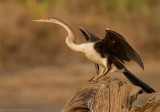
(93, 80)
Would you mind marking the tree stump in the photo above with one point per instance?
(110, 95)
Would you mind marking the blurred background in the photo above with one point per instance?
(39, 73)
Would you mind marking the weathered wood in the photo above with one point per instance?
(108, 95)
(153, 105)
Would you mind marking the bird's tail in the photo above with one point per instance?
(138, 82)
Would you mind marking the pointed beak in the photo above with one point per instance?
(42, 20)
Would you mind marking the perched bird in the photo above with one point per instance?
(109, 53)
(115, 48)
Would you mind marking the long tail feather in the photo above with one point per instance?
(138, 82)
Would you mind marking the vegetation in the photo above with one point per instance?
(25, 43)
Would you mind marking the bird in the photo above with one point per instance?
(119, 51)
(109, 53)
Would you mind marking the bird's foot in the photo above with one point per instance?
(94, 79)
(90, 80)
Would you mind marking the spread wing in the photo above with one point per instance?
(116, 45)
(90, 37)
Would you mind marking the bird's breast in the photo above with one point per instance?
(93, 55)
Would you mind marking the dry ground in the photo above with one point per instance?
(46, 88)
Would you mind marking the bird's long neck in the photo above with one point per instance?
(71, 38)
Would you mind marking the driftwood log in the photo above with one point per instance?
(110, 95)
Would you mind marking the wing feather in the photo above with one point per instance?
(90, 37)
(118, 47)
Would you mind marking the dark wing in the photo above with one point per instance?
(90, 37)
(116, 45)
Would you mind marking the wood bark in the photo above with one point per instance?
(110, 95)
